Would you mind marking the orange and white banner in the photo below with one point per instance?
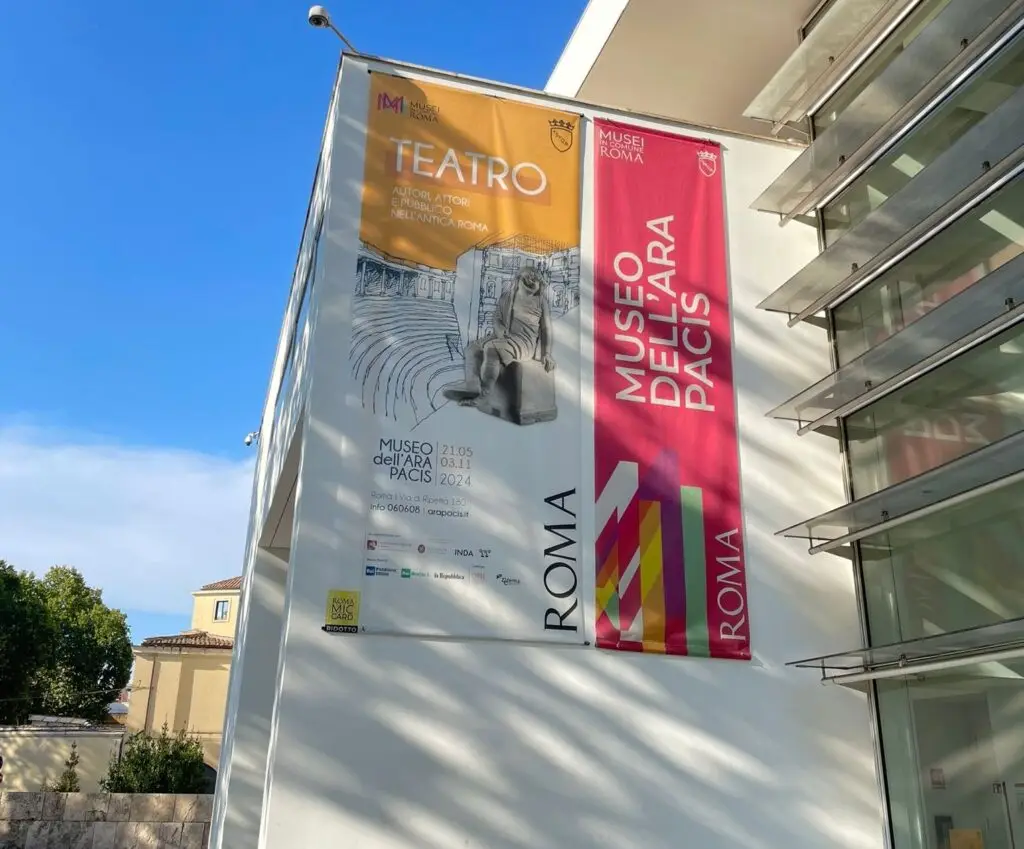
(464, 368)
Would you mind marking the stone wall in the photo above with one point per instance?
(104, 821)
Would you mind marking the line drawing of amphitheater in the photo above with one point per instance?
(411, 322)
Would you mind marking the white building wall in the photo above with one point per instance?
(402, 743)
(253, 681)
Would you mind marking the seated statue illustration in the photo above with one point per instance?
(509, 371)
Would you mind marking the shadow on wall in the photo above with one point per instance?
(456, 742)
(431, 744)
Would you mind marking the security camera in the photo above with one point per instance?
(318, 17)
(250, 438)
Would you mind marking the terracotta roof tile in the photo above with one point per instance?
(227, 584)
(189, 640)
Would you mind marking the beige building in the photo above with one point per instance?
(182, 679)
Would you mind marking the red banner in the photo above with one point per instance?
(671, 573)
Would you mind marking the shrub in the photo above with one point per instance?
(68, 781)
(163, 764)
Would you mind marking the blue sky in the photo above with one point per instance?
(155, 165)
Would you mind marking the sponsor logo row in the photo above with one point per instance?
(476, 575)
(384, 545)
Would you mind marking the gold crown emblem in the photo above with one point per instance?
(707, 154)
(558, 124)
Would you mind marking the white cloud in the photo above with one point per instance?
(145, 525)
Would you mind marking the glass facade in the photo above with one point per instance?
(950, 571)
(978, 243)
(876, 63)
(953, 745)
(973, 401)
(816, 17)
(932, 137)
(950, 725)
(301, 330)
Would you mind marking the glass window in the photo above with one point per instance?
(953, 745)
(300, 322)
(876, 63)
(981, 241)
(952, 570)
(221, 610)
(960, 407)
(983, 95)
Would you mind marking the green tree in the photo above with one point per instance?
(164, 764)
(68, 781)
(90, 652)
(26, 636)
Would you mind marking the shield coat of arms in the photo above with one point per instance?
(707, 162)
(562, 134)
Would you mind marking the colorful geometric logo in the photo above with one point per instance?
(651, 572)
